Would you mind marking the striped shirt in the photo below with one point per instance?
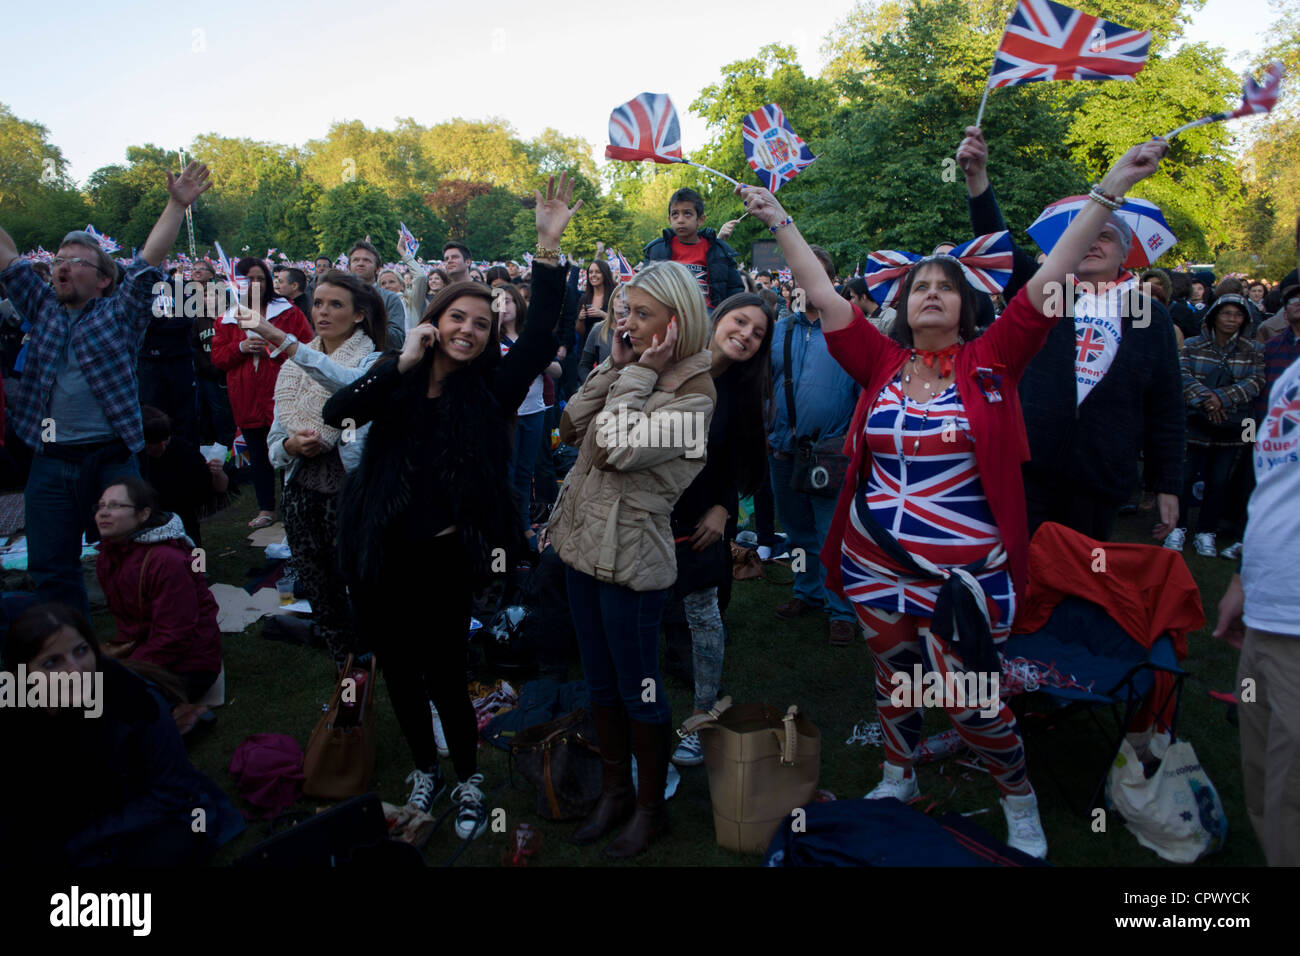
(924, 488)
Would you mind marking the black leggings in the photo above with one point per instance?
(1216, 462)
(263, 473)
(417, 621)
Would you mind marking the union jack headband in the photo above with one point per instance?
(986, 262)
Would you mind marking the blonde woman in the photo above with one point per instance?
(640, 422)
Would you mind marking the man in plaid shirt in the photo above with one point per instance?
(78, 403)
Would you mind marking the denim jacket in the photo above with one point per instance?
(824, 394)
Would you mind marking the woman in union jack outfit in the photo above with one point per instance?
(930, 538)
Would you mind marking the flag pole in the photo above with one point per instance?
(980, 115)
(1203, 121)
(709, 170)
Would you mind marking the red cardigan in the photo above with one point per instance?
(252, 384)
(998, 429)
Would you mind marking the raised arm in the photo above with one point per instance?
(8, 249)
(1131, 168)
(182, 190)
(985, 215)
(836, 313)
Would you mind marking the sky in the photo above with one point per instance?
(137, 72)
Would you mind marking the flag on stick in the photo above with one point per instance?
(106, 243)
(773, 149)
(405, 241)
(646, 127)
(1255, 98)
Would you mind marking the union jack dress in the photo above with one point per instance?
(924, 488)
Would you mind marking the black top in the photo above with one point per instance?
(716, 482)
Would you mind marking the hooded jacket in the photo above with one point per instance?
(159, 601)
(724, 277)
(1233, 372)
(611, 519)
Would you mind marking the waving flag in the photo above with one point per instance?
(227, 267)
(105, 243)
(1261, 97)
(1050, 41)
(405, 241)
(773, 149)
(619, 266)
(645, 128)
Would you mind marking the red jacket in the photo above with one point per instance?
(169, 609)
(998, 429)
(252, 384)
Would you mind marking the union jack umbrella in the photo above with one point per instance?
(1255, 98)
(1050, 41)
(645, 127)
(105, 243)
(1151, 234)
(773, 149)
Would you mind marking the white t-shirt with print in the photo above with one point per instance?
(1096, 340)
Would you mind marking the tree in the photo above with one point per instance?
(489, 220)
(28, 160)
(47, 215)
(485, 152)
(451, 202)
(351, 211)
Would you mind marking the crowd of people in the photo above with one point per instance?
(403, 414)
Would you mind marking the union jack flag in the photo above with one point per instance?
(1261, 97)
(1050, 41)
(987, 261)
(105, 243)
(645, 128)
(405, 240)
(227, 267)
(785, 275)
(1284, 417)
(1091, 344)
(773, 149)
(618, 265)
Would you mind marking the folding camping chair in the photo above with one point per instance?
(1088, 663)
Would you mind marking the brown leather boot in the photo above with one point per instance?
(617, 799)
(652, 745)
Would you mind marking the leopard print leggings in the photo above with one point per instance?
(311, 523)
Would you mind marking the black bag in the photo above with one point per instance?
(697, 570)
(560, 758)
(819, 466)
(354, 832)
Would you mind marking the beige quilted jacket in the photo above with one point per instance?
(634, 432)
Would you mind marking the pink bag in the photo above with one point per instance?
(268, 773)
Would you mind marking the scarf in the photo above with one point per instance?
(299, 399)
(944, 357)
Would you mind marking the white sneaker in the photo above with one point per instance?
(428, 787)
(1204, 545)
(1174, 542)
(1232, 552)
(1024, 829)
(690, 752)
(898, 782)
(439, 737)
(471, 818)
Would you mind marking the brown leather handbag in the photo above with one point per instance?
(762, 765)
(340, 757)
(561, 759)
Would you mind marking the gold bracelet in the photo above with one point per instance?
(543, 253)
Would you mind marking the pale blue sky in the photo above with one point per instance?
(139, 72)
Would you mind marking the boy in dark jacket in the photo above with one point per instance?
(711, 260)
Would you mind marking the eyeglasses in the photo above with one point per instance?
(113, 506)
(74, 261)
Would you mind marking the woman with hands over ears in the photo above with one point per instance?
(421, 515)
(929, 540)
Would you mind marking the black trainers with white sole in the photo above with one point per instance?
(471, 817)
(426, 789)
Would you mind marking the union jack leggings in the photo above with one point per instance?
(900, 641)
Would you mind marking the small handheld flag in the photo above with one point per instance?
(646, 127)
(106, 243)
(227, 267)
(1255, 98)
(1050, 41)
(773, 149)
(406, 243)
(619, 266)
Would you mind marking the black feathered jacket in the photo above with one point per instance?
(472, 422)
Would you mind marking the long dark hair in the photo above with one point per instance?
(365, 299)
(491, 354)
(902, 331)
(607, 286)
(753, 391)
(521, 307)
(248, 262)
(35, 625)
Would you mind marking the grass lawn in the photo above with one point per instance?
(274, 687)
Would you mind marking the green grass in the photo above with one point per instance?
(277, 688)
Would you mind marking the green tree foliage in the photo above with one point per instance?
(28, 161)
(352, 211)
(489, 220)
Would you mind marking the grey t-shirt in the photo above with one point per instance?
(78, 417)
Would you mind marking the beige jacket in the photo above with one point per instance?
(634, 432)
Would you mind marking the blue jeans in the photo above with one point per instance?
(55, 524)
(528, 438)
(618, 640)
(806, 520)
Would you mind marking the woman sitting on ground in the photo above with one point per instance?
(107, 782)
(164, 610)
(934, 485)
